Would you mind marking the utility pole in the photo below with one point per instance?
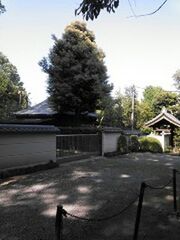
(20, 96)
(132, 113)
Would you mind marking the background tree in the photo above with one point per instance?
(91, 9)
(170, 100)
(157, 98)
(154, 99)
(127, 101)
(176, 78)
(112, 114)
(2, 8)
(118, 110)
(13, 96)
(150, 94)
(147, 106)
(77, 79)
(145, 113)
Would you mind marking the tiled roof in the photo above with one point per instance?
(132, 132)
(164, 115)
(15, 128)
(42, 108)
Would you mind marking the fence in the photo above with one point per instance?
(61, 213)
(75, 144)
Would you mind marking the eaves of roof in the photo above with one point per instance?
(19, 128)
(163, 115)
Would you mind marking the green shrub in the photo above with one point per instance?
(122, 144)
(144, 144)
(134, 143)
(176, 138)
(150, 144)
(168, 149)
(176, 150)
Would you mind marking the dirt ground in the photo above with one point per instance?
(93, 188)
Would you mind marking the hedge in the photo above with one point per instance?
(122, 144)
(150, 144)
(134, 143)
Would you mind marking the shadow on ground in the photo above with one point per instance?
(95, 188)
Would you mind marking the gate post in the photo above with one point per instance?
(174, 190)
(59, 223)
(101, 142)
(139, 208)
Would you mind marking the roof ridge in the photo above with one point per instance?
(164, 115)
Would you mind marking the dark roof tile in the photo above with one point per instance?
(18, 128)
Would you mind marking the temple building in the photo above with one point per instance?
(164, 126)
(43, 113)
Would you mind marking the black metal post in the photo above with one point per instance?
(139, 208)
(101, 147)
(59, 223)
(174, 190)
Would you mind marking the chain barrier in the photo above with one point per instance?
(65, 213)
(144, 186)
(159, 187)
(139, 196)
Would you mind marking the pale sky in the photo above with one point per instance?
(142, 51)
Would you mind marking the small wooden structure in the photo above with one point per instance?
(164, 125)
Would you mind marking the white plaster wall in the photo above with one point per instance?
(25, 149)
(109, 142)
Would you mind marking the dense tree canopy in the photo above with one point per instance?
(112, 114)
(157, 98)
(168, 99)
(154, 99)
(13, 96)
(77, 79)
(119, 110)
(151, 93)
(145, 113)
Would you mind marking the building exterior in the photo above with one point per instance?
(164, 126)
(43, 113)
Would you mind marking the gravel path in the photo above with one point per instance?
(93, 188)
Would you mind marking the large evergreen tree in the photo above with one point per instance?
(77, 75)
(13, 96)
